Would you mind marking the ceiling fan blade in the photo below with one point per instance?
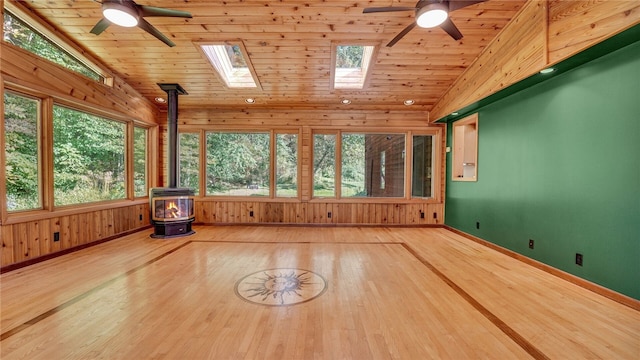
(386, 9)
(144, 25)
(459, 4)
(100, 26)
(401, 34)
(451, 29)
(144, 10)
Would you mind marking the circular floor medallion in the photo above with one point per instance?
(281, 287)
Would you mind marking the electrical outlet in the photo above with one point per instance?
(477, 224)
(56, 236)
(435, 215)
(530, 244)
(579, 259)
(251, 213)
(140, 217)
(421, 215)
(329, 215)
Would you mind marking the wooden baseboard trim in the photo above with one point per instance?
(25, 263)
(323, 225)
(598, 289)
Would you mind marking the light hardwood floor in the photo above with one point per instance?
(391, 293)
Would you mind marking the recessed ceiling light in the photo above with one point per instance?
(160, 100)
(250, 100)
(547, 71)
(345, 101)
(455, 113)
(409, 102)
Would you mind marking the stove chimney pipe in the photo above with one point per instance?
(172, 90)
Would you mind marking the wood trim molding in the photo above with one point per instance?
(586, 284)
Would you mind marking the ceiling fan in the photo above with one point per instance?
(429, 13)
(129, 14)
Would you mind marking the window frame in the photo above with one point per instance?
(41, 138)
(131, 159)
(438, 173)
(46, 150)
(18, 11)
(127, 152)
(272, 162)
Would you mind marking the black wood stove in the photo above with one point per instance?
(172, 208)
(171, 212)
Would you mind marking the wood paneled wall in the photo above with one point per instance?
(23, 241)
(543, 33)
(229, 212)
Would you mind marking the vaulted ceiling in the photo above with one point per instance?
(289, 44)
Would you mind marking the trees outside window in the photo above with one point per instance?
(88, 157)
(140, 185)
(19, 33)
(238, 164)
(286, 165)
(324, 165)
(189, 155)
(22, 134)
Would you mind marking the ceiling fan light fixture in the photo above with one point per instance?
(431, 15)
(120, 14)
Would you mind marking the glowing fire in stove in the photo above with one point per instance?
(172, 210)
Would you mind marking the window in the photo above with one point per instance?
(140, 187)
(189, 155)
(88, 157)
(286, 165)
(231, 64)
(465, 149)
(372, 165)
(19, 33)
(324, 165)
(422, 177)
(22, 155)
(238, 164)
(351, 65)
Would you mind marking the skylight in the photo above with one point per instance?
(231, 64)
(352, 63)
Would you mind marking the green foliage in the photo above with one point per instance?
(348, 56)
(189, 155)
(139, 161)
(237, 161)
(21, 152)
(286, 164)
(324, 164)
(20, 34)
(88, 163)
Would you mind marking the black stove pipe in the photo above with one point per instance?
(172, 90)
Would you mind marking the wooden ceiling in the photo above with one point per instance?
(289, 44)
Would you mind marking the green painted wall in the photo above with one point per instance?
(559, 163)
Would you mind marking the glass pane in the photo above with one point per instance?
(238, 164)
(287, 165)
(140, 162)
(230, 63)
(352, 63)
(421, 184)
(88, 157)
(324, 165)
(373, 165)
(18, 33)
(189, 154)
(21, 152)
